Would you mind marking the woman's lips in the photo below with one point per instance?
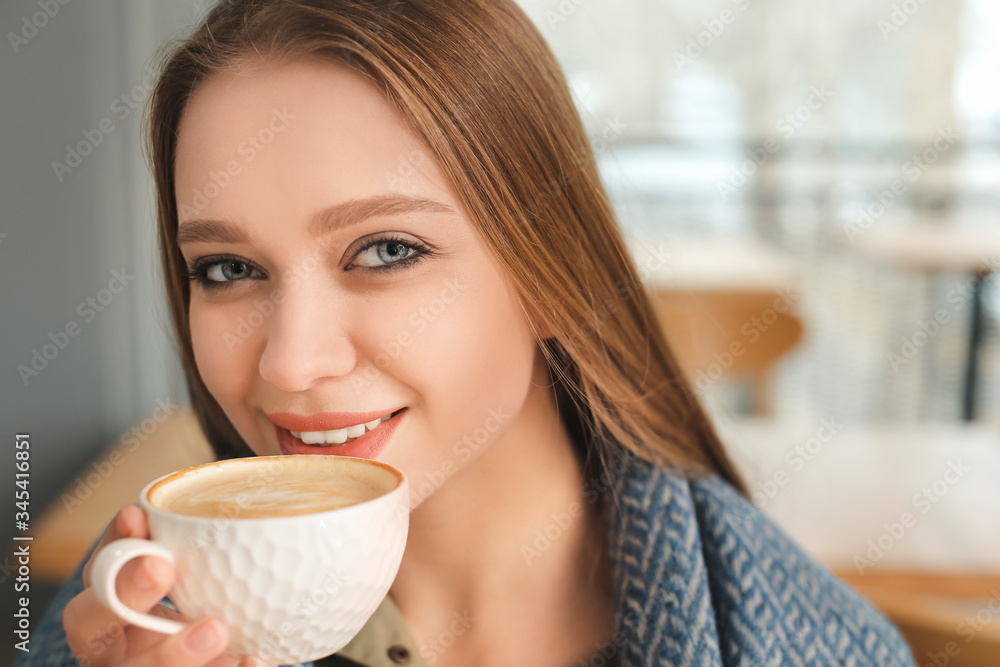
(365, 446)
(325, 421)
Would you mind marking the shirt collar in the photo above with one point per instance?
(384, 637)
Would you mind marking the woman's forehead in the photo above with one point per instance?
(300, 134)
(332, 105)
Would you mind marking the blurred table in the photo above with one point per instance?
(932, 248)
(839, 494)
(70, 525)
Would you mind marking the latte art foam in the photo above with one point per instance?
(251, 490)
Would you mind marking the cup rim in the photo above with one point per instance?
(144, 502)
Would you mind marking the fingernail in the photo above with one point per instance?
(203, 639)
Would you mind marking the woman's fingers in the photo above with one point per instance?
(198, 644)
(145, 583)
(95, 631)
(140, 587)
(129, 522)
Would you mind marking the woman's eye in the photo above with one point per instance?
(221, 272)
(385, 253)
(380, 255)
(228, 271)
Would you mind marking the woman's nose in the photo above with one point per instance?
(306, 342)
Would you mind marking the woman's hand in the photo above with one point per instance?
(99, 637)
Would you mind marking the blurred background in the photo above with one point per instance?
(811, 190)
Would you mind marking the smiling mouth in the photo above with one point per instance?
(341, 436)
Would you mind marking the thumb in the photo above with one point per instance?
(197, 644)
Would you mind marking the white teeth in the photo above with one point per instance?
(313, 438)
(338, 436)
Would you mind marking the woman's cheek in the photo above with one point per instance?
(475, 357)
(219, 349)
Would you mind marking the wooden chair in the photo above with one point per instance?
(729, 334)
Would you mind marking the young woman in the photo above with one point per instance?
(381, 222)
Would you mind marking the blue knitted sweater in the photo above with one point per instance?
(701, 578)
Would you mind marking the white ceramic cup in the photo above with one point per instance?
(291, 588)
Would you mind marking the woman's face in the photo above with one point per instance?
(338, 281)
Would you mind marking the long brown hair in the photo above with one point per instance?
(480, 87)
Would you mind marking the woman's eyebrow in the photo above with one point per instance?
(208, 231)
(324, 222)
(354, 211)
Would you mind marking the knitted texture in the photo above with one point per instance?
(702, 578)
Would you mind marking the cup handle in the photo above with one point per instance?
(109, 562)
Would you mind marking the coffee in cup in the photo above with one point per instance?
(295, 485)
